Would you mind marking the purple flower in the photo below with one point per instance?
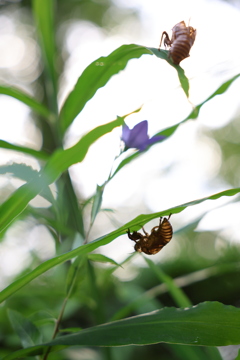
(137, 137)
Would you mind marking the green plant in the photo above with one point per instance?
(80, 288)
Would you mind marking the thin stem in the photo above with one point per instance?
(60, 316)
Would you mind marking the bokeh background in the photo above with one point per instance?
(200, 159)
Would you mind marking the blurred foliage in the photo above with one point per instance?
(85, 291)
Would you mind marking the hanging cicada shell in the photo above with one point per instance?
(152, 243)
(181, 42)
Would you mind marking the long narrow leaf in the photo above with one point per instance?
(206, 324)
(43, 12)
(164, 54)
(95, 76)
(171, 130)
(99, 72)
(134, 224)
(41, 155)
(26, 99)
(176, 293)
(60, 161)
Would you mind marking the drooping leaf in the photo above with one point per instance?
(59, 162)
(95, 76)
(41, 155)
(171, 130)
(26, 173)
(206, 324)
(133, 225)
(27, 100)
(164, 54)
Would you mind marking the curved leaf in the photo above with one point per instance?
(26, 99)
(206, 324)
(57, 164)
(95, 76)
(171, 130)
(134, 224)
(41, 155)
(164, 54)
(26, 173)
(176, 293)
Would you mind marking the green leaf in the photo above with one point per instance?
(26, 330)
(164, 54)
(177, 294)
(43, 12)
(41, 155)
(60, 161)
(134, 224)
(99, 72)
(102, 258)
(97, 202)
(206, 324)
(95, 76)
(70, 330)
(171, 130)
(27, 100)
(26, 173)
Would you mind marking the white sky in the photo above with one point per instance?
(151, 182)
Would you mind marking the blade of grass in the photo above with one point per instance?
(206, 324)
(177, 294)
(134, 224)
(95, 76)
(38, 154)
(44, 13)
(27, 100)
(171, 130)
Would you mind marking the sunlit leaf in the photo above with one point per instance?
(60, 161)
(164, 54)
(134, 224)
(95, 76)
(171, 130)
(206, 324)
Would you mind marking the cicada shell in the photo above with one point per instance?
(152, 243)
(182, 40)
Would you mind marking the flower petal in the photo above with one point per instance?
(138, 135)
(151, 141)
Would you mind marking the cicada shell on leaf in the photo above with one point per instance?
(152, 243)
(182, 40)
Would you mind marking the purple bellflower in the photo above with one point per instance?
(137, 137)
